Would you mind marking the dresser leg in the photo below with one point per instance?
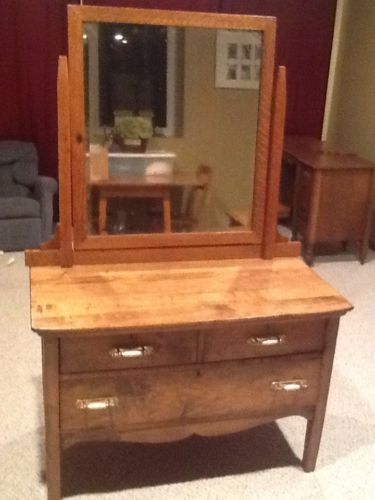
(52, 415)
(314, 426)
(312, 442)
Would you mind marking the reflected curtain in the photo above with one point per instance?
(303, 43)
(32, 35)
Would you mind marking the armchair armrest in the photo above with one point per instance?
(44, 189)
(44, 185)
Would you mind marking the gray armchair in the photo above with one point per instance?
(26, 199)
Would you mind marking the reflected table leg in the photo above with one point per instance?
(102, 213)
(167, 212)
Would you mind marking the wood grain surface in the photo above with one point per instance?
(216, 391)
(141, 296)
(320, 155)
(266, 339)
(65, 173)
(178, 179)
(95, 354)
(274, 169)
(77, 16)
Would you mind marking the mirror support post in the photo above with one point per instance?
(65, 181)
(275, 159)
(272, 245)
(274, 165)
(59, 250)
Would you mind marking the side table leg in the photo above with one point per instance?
(363, 249)
(295, 204)
(50, 355)
(315, 426)
(167, 212)
(310, 238)
(309, 254)
(364, 243)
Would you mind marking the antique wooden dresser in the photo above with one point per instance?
(155, 337)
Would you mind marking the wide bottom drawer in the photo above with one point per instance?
(138, 399)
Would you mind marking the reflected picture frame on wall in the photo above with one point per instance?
(238, 59)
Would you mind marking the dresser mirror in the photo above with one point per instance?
(170, 127)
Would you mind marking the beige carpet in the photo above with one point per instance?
(258, 464)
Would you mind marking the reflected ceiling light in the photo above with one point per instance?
(118, 37)
(124, 40)
(85, 36)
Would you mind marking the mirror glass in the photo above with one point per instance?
(171, 122)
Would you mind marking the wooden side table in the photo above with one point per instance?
(333, 196)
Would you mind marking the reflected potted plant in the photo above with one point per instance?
(131, 132)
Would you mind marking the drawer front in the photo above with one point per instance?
(127, 351)
(140, 399)
(270, 339)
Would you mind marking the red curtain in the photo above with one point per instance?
(33, 33)
(304, 42)
(189, 5)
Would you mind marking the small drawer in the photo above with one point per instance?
(141, 399)
(127, 351)
(270, 339)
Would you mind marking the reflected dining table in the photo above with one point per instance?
(142, 186)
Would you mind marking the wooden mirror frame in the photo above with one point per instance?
(73, 245)
(77, 16)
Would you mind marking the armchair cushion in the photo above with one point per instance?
(7, 185)
(17, 208)
(21, 158)
(12, 151)
(6, 175)
(25, 172)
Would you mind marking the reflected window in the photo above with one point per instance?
(132, 64)
(137, 73)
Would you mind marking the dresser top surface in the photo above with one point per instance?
(320, 155)
(174, 294)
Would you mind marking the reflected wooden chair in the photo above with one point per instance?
(190, 217)
(97, 168)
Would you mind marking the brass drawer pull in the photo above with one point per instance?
(289, 385)
(267, 341)
(97, 404)
(134, 352)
